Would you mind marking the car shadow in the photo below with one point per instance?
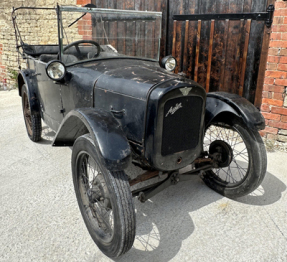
(165, 221)
(47, 136)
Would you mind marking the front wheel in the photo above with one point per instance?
(104, 199)
(243, 158)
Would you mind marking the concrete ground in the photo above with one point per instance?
(40, 219)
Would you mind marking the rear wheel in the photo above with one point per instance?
(243, 159)
(32, 121)
(104, 199)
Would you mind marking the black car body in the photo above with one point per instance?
(133, 109)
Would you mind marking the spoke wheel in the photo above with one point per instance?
(104, 199)
(32, 121)
(247, 160)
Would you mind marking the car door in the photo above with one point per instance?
(50, 98)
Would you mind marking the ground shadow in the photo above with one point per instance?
(47, 136)
(165, 221)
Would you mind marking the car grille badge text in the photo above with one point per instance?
(172, 110)
(185, 90)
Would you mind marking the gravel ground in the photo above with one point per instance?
(40, 220)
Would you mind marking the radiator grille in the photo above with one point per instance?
(181, 124)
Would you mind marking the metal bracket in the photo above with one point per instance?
(146, 193)
(259, 16)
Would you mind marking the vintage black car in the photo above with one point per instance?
(104, 91)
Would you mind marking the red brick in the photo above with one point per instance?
(276, 74)
(274, 51)
(266, 122)
(280, 12)
(271, 130)
(272, 102)
(284, 119)
(272, 66)
(273, 88)
(282, 44)
(276, 36)
(279, 28)
(283, 52)
(278, 20)
(271, 116)
(265, 94)
(283, 60)
(282, 67)
(273, 59)
(283, 36)
(281, 82)
(279, 110)
(265, 108)
(269, 81)
(285, 20)
(278, 96)
(278, 124)
(262, 133)
(279, 5)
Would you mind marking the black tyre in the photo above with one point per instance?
(32, 121)
(104, 199)
(243, 167)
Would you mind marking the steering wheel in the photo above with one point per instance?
(77, 43)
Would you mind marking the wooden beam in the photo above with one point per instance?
(209, 55)
(185, 49)
(224, 51)
(197, 50)
(244, 58)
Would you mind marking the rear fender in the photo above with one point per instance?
(25, 77)
(224, 103)
(111, 144)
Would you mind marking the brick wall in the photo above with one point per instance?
(274, 98)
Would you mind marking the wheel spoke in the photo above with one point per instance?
(235, 172)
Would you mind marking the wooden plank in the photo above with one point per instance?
(174, 38)
(185, 48)
(244, 59)
(209, 55)
(254, 52)
(237, 61)
(197, 50)
(191, 7)
(207, 7)
(224, 51)
(263, 63)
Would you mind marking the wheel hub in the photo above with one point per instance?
(221, 152)
(99, 192)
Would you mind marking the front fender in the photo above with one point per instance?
(111, 143)
(25, 77)
(221, 102)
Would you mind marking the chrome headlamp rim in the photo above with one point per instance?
(167, 59)
(62, 68)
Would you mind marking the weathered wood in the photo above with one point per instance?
(244, 59)
(174, 38)
(185, 48)
(197, 50)
(224, 51)
(254, 51)
(209, 55)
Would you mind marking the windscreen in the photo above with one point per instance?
(89, 34)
